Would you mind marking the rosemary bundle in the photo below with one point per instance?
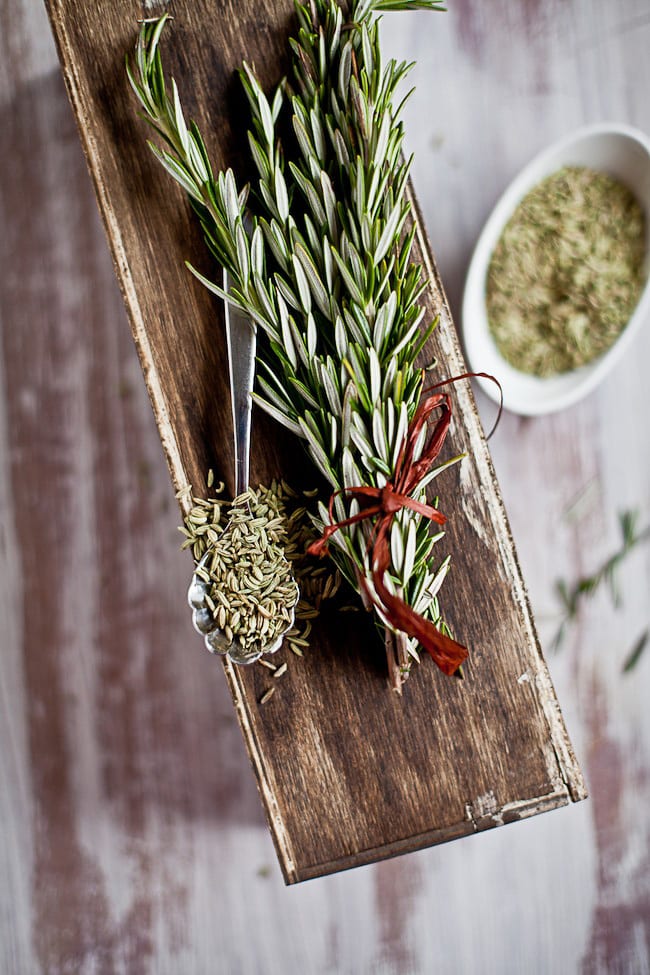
(319, 258)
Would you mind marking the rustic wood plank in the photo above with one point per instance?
(347, 772)
(173, 838)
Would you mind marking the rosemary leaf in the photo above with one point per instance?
(634, 655)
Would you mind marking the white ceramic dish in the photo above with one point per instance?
(624, 153)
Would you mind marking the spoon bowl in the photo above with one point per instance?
(214, 638)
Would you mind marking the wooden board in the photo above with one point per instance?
(348, 773)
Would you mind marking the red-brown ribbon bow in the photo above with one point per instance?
(388, 500)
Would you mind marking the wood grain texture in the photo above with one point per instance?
(132, 838)
(348, 773)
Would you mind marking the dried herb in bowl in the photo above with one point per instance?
(567, 272)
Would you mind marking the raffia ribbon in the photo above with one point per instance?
(383, 504)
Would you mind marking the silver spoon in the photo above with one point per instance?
(241, 339)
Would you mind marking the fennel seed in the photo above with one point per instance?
(267, 664)
(248, 594)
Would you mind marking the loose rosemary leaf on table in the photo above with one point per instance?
(635, 653)
(572, 597)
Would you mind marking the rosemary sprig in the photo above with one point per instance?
(319, 259)
(635, 653)
(573, 597)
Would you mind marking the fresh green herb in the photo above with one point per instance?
(319, 258)
(567, 272)
(573, 597)
(634, 655)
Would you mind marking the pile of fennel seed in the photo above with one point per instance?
(278, 521)
(567, 272)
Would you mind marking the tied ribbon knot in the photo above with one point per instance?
(388, 503)
(383, 504)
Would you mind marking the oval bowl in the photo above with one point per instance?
(624, 153)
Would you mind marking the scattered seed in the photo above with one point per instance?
(267, 695)
(267, 664)
(299, 642)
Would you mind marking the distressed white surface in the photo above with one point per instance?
(535, 897)
(15, 798)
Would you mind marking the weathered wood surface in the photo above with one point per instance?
(131, 835)
(348, 772)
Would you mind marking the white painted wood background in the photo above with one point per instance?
(148, 863)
